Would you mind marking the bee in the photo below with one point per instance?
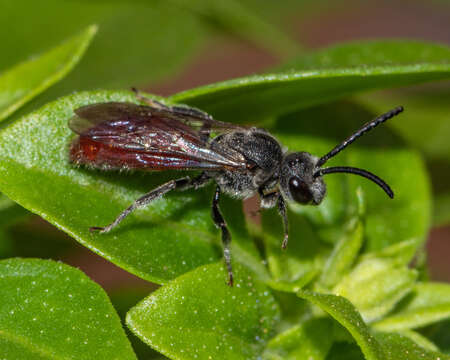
(242, 161)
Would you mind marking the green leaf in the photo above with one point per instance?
(321, 77)
(198, 316)
(398, 347)
(343, 255)
(374, 286)
(345, 313)
(168, 238)
(419, 339)
(49, 310)
(24, 81)
(304, 341)
(400, 254)
(427, 303)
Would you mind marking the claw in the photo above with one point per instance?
(230, 280)
(285, 242)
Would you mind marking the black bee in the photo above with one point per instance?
(243, 161)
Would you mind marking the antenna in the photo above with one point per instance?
(357, 171)
(352, 170)
(368, 126)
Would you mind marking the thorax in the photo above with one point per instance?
(263, 153)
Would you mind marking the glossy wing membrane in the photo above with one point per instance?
(90, 115)
(125, 135)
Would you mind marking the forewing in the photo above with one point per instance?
(197, 120)
(135, 136)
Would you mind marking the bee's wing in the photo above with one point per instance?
(198, 121)
(126, 135)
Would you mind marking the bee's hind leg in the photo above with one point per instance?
(180, 184)
(269, 201)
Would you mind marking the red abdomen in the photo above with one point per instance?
(85, 151)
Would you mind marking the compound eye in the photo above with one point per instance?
(299, 190)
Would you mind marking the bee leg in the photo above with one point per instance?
(195, 183)
(182, 184)
(283, 213)
(226, 237)
(269, 201)
(150, 102)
